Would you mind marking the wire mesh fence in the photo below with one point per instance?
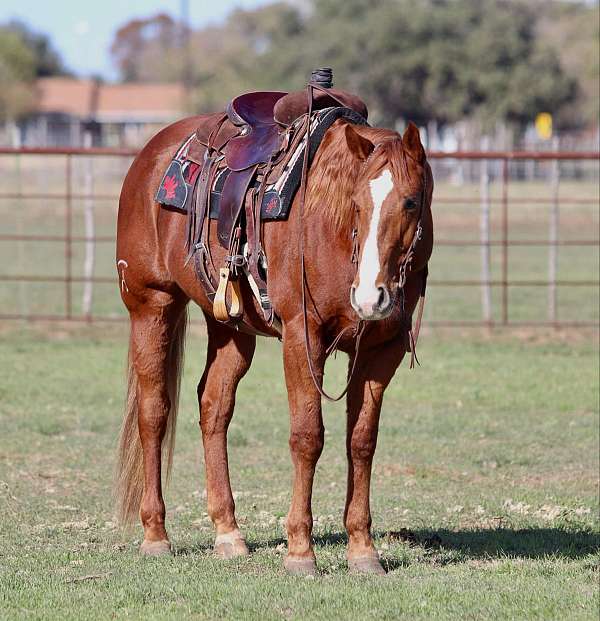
(516, 237)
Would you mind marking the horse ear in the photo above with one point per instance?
(412, 142)
(360, 147)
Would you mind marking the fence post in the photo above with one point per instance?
(16, 143)
(505, 240)
(553, 236)
(68, 235)
(90, 232)
(484, 235)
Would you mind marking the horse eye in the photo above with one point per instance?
(410, 204)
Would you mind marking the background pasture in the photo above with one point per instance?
(484, 488)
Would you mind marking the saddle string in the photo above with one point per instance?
(360, 328)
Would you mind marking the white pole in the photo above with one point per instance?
(553, 235)
(484, 235)
(90, 231)
(20, 216)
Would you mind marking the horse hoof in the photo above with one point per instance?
(300, 566)
(230, 545)
(366, 565)
(155, 548)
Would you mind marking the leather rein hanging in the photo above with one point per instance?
(361, 325)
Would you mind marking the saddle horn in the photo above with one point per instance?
(322, 77)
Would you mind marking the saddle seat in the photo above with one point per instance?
(265, 114)
(262, 136)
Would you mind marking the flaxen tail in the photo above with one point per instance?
(129, 475)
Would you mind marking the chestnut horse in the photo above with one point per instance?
(373, 182)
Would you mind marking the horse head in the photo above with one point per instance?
(392, 199)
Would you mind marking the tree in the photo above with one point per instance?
(47, 60)
(442, 59)
(414, 59)
(572, 32)
(17, 72)
(147, 50)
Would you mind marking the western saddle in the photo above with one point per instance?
(248, 163)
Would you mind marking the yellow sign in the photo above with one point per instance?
(543, 125)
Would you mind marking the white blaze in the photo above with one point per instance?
(366, 292)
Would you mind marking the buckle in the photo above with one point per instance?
(237, 260)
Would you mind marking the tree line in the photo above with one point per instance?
(443, 60)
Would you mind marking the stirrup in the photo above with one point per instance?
(220, 302)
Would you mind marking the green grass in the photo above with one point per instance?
(484, 496)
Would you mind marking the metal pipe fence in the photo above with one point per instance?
(503, 241)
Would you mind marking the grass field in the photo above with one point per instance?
(485, 488)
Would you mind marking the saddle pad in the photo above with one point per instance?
(176, 188)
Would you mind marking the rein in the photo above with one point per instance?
(360, 328)
(361, 325)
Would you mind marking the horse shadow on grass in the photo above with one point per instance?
(526, 543)
(448, 546)
(445, 546)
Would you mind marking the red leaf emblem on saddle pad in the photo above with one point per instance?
(170, 185)
(272, 205)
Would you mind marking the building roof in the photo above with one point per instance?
(115, 103)
(65, 96)
(148, 102)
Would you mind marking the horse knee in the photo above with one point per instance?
(306, 441)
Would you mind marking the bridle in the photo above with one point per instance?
(405, 266)
(406, 263)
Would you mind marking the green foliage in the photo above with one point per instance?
(419, 59)
(572, 32)
(444, 59)
(47, 60)
(17, 71)
(24, 55)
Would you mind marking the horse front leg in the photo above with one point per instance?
(229, 356)
(374, 370)
(306, 445)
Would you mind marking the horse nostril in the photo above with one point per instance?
(384, 297)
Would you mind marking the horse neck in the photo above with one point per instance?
(330, 185)
(328, 221)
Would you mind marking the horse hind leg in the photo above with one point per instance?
(155, 360)
(229, 356)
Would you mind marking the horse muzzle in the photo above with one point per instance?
(373, 304)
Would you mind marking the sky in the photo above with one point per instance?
(82, 30)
